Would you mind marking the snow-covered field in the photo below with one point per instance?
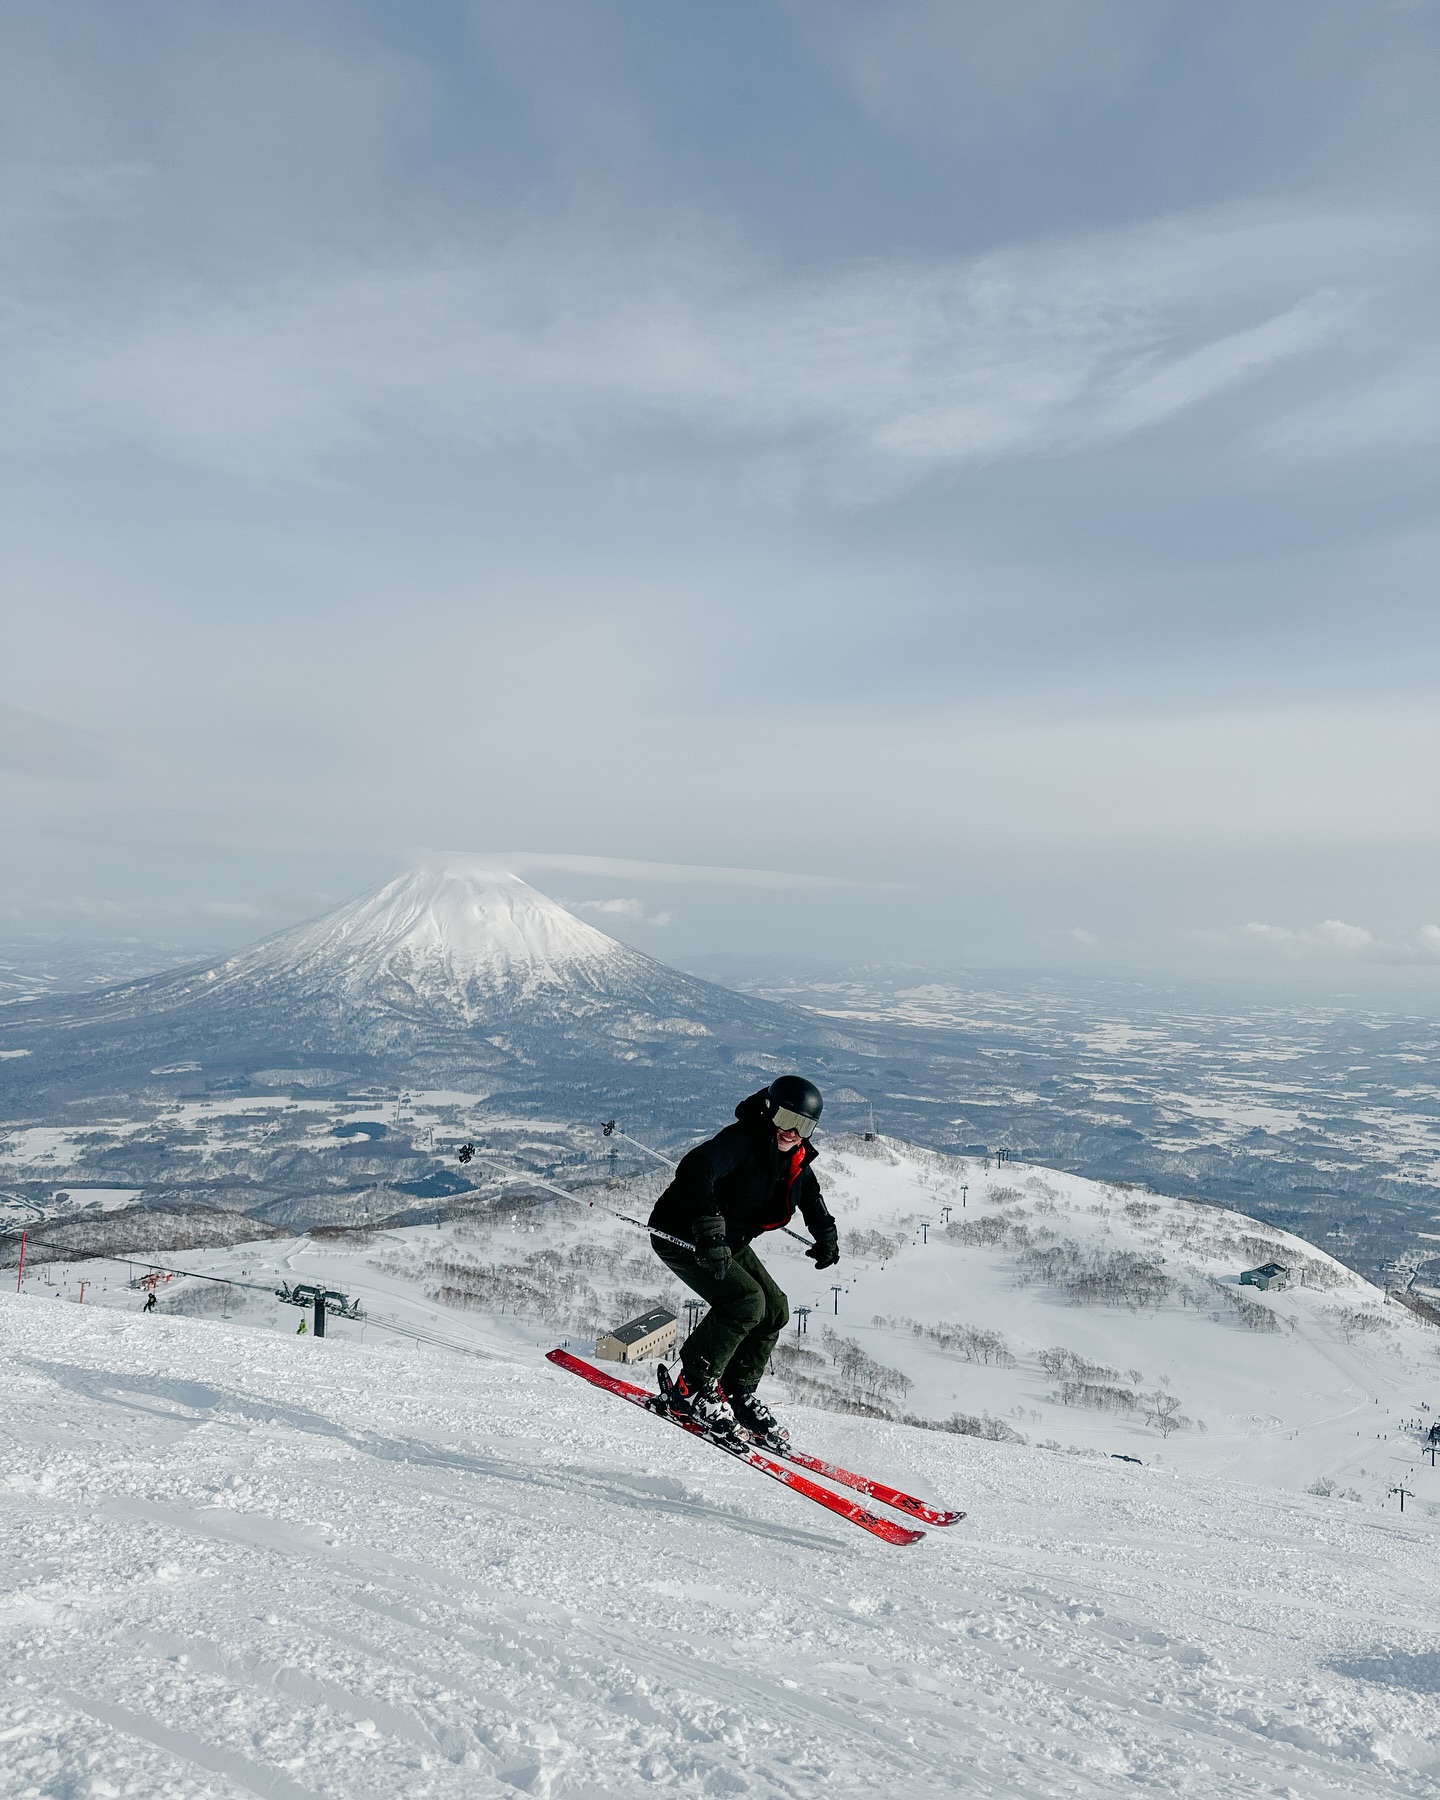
(246, 1563)
(64, 1202)
(416, 1559)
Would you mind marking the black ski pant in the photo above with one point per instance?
(747, 1313)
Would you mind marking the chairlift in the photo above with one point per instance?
(151, 1279)
(308, 1293)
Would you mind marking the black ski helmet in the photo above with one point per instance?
(799, 1099)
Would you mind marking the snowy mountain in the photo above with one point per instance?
(454, 972)
(417, 1559)
(458, 941)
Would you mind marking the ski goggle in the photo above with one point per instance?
(785, 1120)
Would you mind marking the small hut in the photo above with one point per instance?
(1268, 1275)
(653, 1334)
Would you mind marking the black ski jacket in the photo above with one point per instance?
(742, 1173)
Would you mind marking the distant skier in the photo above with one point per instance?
(748, 1179)
(150, 1301)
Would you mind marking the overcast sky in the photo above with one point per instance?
(977, 457)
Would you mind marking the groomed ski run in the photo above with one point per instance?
(240, 1562)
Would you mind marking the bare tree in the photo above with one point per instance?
(1163, 1412)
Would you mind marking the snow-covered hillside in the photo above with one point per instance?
(1075, 1312)
(1015, 1302)
(246, 1564)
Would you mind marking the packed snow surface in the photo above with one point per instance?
(246, 1562)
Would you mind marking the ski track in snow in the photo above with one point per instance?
(246, 1564)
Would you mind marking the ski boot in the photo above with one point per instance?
(703, 1404)
(757, 1421)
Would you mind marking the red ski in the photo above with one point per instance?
(886, 1529)
(877, 1490)
(882, 1491)
(863, 1484)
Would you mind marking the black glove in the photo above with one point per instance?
(711, 1251)
(826, 1248)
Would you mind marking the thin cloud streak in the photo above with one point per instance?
(868, 380)
(633, 911)
(679, 874)
(1396, 409)
(1330, 940)
(1187, 380)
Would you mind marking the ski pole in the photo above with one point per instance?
(565, 1194)
(611, 1130)
(667, 1237)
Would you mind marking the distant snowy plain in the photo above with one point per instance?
(242, 1562)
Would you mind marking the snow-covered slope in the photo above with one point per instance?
(245, 1564)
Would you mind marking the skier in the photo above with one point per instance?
(747, 1179)
(150, 1302)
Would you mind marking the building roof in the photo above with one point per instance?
(641, 1327)
(1270, 1268)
